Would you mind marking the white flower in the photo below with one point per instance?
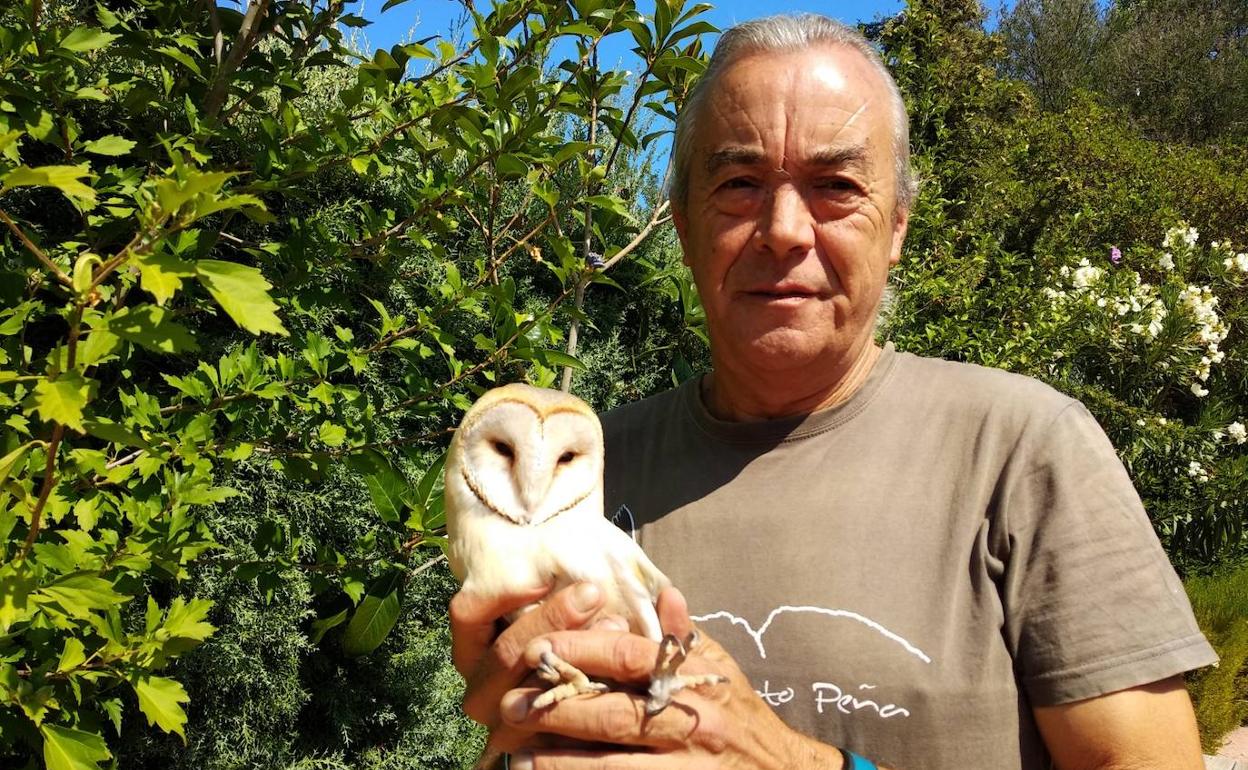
(1237, 431)
(1140, 423)
(1197, 471)
(1166, 262)
(1198, 391)
(1241, 262)
(1217, 435)
(1101, 302)
(1162, 420)
(1086, 275)
(1181, 234)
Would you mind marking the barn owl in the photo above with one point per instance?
(524, 505)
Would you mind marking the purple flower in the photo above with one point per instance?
(1115, 255)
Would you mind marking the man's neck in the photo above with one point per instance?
(753, 399)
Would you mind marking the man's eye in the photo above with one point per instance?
(837, 184)
(738, 183)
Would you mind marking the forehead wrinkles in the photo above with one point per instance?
(802, 119)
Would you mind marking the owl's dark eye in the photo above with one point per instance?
(567, 457)
(504, 449)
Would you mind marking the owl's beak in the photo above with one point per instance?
(532, 484)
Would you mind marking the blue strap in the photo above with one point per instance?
(855, 762)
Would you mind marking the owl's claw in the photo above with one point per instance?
(568, 680)
(665, 682)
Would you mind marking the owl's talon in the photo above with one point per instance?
(665, 682)
(568, 680)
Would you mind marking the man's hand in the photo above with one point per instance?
(493, 665)
(727, 725)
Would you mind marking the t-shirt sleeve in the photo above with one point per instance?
(1092, 604)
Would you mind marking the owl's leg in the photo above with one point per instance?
(568, 680)
(665, 682)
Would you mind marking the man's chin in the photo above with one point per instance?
(779, 350)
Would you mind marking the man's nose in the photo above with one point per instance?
(786, 225)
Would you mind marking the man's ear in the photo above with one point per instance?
(901, 223)
(681, 223)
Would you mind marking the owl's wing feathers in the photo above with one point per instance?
(595, 549)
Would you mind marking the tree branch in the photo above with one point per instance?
(574, 330)
(248, 36)
(60, 274)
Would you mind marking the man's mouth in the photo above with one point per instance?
(782, 293)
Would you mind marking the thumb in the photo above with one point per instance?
(674, 613)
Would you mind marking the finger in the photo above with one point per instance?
(610, 623)
(616, 655)
(507, 739)
(503, 665)
(674, 613)
(613, 717)
(472, 622)
(574, 759)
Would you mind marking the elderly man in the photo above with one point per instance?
(931, 565)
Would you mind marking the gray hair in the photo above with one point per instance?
(787, 33)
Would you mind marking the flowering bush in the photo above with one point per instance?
(1152, 338)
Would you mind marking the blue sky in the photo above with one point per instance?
(417, 19)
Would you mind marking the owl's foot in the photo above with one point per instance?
(568, 680)
(665, 682)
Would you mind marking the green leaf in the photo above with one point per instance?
(559, 358)
(320, 627)
(113, 432)
(388, 490)
(99, 346)
(159, 700)
(109, 145)
(161, 275)
(151, 326)
(84, 39)
(67, 749)
(73, 655)
(67, 179)
(242, 292)
(16, 583)
(112, 707)
(375, 616)
(332, 434)
(425, 487)
(62, 400)
(186, 621)
(81, 593)
(10, 461)
(609, 203)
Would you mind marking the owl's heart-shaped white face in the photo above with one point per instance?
(530, 465)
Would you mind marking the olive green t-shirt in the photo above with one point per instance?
(909, 573)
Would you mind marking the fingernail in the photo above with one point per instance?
(585, 597)
(521, 761)
(516, 709)
(536, 649)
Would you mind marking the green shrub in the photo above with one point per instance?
(1220, 693)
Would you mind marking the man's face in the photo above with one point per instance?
(790, 222)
